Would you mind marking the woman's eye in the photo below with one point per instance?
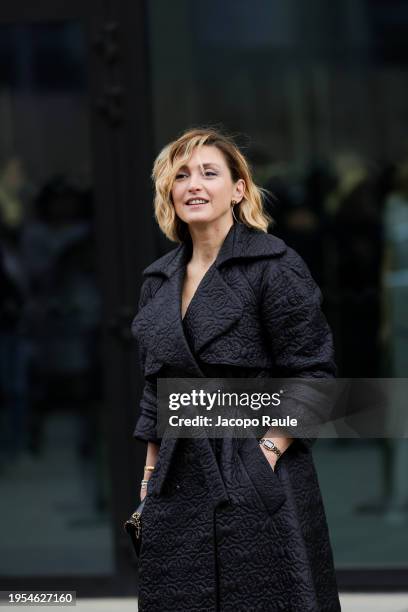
(182, 175)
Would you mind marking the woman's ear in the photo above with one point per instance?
(239, 190)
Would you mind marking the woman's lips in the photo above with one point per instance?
(196, 202)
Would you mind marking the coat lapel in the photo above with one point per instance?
(216, 307)
(162, 328)
(170, 344)
(213, 310)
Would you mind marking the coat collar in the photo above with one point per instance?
(161, 318)
(240, 243)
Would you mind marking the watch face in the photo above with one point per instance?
(269, 444)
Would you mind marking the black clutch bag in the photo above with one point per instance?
(133, 526)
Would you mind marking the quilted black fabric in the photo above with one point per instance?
(222, 531)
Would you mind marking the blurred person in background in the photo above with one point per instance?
(354, 210)
(62, 314)
(14, 349)
(14, 404)
(12, 204)
(394, 336)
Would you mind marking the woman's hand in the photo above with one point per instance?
(151, 458)
(144, 484)
(271, 457)
(281, 443)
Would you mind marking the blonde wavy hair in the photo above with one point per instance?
(173, 156)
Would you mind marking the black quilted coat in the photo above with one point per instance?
(222, 531)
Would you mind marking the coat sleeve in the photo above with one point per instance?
(299, 338)
(146, 423)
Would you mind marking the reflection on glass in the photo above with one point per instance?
(54, 509)
(323, 109)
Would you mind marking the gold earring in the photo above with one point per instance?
(233, 203)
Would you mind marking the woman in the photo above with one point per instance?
(228, 525)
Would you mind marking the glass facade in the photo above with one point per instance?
(316, 94)
(54, 489)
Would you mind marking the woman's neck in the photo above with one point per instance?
(206, 243)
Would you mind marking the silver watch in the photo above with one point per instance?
(271, 446)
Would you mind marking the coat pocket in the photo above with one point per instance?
(261, 474)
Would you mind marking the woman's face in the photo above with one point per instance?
(203, 189)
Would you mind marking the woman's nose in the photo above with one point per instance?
(194, 183)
